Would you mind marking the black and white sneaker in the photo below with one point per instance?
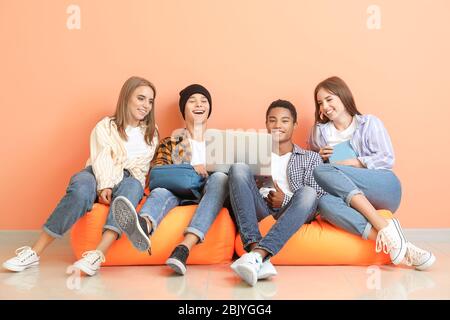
(177, 260)
(133, 225)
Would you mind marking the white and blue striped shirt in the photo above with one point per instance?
(370, 141)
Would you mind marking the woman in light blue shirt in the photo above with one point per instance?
(357, 174)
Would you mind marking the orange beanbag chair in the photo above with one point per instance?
(320, 243)
(218, 246)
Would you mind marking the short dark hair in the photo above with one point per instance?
(283, 104)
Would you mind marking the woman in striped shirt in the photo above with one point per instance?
(121, 149)
(358, 174)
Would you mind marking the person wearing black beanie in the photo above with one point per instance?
(184, 150)
(189, 91)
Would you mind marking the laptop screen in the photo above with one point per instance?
(226, 147)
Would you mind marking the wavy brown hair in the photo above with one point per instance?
(121, 115)
(338, 87)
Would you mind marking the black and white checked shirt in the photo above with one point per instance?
(300, 171)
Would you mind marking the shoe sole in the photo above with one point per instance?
(264, 276)
(399, 258)
(233, 266)
(85, 269)
(127, 220)
(427, 263)
(15, 268)
(176, 266)
(246, 273)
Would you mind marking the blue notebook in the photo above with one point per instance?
(343, 151)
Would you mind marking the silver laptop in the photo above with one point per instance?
(226, 147)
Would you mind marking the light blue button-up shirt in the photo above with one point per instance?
(370, 141)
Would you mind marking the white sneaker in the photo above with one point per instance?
(247, 267)
(90, 262)
(418, 258)
(391, 240)
(267, 270)
(24, 259)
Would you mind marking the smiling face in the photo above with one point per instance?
(330, 105)
(280, 123)
(197, 109)
(140, 104)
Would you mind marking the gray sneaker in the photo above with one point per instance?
(133, 225)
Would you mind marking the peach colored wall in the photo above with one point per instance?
(56, 83)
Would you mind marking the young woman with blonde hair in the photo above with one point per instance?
(121, 149)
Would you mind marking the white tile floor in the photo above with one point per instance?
(50, 281)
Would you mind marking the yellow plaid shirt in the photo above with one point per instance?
(175, 149)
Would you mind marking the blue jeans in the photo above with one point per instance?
(214, 193)
(381, 187)
(250, 208)
(80, 197)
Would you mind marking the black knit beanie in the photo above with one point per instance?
(189, 91)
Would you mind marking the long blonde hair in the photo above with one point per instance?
(121, 115)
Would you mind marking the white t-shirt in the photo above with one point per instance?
(198, 152)
(337, 136)
(136, 145)
(279, 167)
